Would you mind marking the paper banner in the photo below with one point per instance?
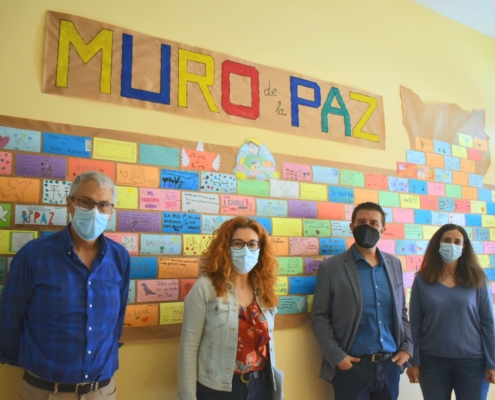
(210, 223)
(332, 246)
(200, 202)
(271, 208)
(40, 166)
(137, 175)
(341, 194)
(159, 199)
(428, 202)
(292, 305)
(225, 183)
(19, 139)
(364, 195)
(144, 267)
(375, 181)
(351, 178)
(394, 231)
(286, 189)
(388, 199)
(281, 245)
(287, 226)
(141, 315)
(157, 290)
(316, 228)
(418, 186)
(290, 266)
(331, 211)
(325, 175)
(41, 215)
(183, 180)
(239, 205)
(253, 188)
(412, 232)
(298, 172)
(114, 150)
(180, 223)
(302, 284)
(398, 184)
(445, 204)
(158, 155)
(66, 145)
(302, 209)
(341, 229)
(311, 191)
(79, 165)
(19, 190)
(161, 244)
(129, 240)
(195, 245)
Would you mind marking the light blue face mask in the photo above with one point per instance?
(89, 224)
(244, 260)
(450, 252)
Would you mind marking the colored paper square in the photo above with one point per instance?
(440, 147)
(435, 189)
(423, 144)
(475, 180)
(468, 166)
(407, 170)
(418, 186)
(434, 160)
(375, 181)
(443, 175)
(484, 195)
(415, 157)
(453, 191)
(453, 163)
(480, 144)
(465, 140)
(428, 202)
(459, 151)
(330, 211)
(469, 193)
(462, 206)
(427, 173)
(475, 155)
(460, 178)
(445, 204)
(473, 220)
(422, 217)
(398, 184)
(388, 199)
(478, 207)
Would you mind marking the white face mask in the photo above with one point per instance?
(89, 224)
(450, 252)
(244, 260)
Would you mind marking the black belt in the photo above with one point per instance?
(246, 377)
(80, 388)
(379, 357)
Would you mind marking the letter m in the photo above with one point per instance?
(103, 42)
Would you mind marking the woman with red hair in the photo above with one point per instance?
(226, 350)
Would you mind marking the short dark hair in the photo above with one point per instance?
(368, 206)
(468, 272)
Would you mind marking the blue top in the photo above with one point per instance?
(376, 326)
(452, 322)
(59, 319)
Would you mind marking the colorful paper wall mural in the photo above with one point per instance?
(99, 61)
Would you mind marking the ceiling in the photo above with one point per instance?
(477, 14)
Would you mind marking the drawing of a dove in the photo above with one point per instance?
(146, 289)
(200, 159)
(3, 213)
(301, 304)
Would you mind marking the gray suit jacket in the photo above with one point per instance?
(338, 304)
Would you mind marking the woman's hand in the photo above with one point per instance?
(413, 374)
(490, 375)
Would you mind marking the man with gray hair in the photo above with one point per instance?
(63, 305)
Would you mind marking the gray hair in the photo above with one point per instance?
(102, 180)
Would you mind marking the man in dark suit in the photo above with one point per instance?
(359, 316)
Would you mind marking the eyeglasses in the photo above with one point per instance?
(239, 244)
(104, 207)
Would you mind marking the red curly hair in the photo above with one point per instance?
(217, 265)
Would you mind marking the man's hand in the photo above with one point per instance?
(401, 357)
(346, 363)
(413, 374)
(490, 375)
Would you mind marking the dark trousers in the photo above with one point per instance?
(257, 389)
(368, 380)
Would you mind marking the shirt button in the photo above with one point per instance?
(89, 352)
(86, 376)
(378, 303)
(89, 282)
(381, 340)
(376, 287)
(380, 323)
(91, 305)
(92, 328)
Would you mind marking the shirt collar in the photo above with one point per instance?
(358, 256)
(69, 246)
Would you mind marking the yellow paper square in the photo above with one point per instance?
(287, 226)
(310, 302)
(484, 260)
(488, 221)
(465, 140)
(127, 197)
(313, 191)
(429, 231)
(458, 151)
(478, 207)
(171, 313)
(492, 234)
(410, 201)
(282, 286)
(114, 150)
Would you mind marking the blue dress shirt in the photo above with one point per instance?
(59, 319)
(376, 327)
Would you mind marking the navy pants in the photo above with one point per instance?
(438, 376)
(368, 380)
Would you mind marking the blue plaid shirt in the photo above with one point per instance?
(59, 319)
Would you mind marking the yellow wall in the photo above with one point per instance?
(373, 45)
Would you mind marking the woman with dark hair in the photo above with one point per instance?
(452, 321)
(226, 350)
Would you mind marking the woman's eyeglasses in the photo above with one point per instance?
(239, 244)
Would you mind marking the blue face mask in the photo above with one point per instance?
(244, 260)
(89, 224)
(450, 252)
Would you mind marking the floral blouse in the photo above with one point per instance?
(253, 336)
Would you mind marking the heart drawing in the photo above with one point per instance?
(4, 141)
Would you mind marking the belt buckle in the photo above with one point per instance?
(373, 359)
(93, 386)
(242, 378)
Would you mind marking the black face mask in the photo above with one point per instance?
(366, 236)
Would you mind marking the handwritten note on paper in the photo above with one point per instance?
(453, 163)
(158, 155)
(79, 165)
(407, 170)
(127, 197)
(281, 245)
(418, 186)
(5, 163)
(415, 157)
(157, 290)
(469, 193)
(239, 205)
(405, 247)
(183, 180)
(386, 245)
(286, 189)
(458, 219)
(484, 261)
(429, 231)
(299, 172)
(55, 191)
(436, 189)
(441, 147)
(226, 183)
(341, 194)
(410, 201)
(332, 246)
(174, 222)
(303, 246)
(40, 166)
(67, 145)
(408, 278)
(19, 239)
(114, 150)
(388, 199)
(473, 220)
(195, 245)
(484, 195)
(312, 191)
(130, 221)
(413, 263)
(428, 202)
(412, 232)
(403, 215)
(271, 208)
(462, 206)
(200, 160)
(458, 151)
(445, 204)
(434, 160)
(287, 226)
(200, 202)
(394, 231)
(478, 247)
(398, 184)
(311, 264)
(454, 191)
(325, 175)
(292, 305)
(40, 215)
(465, 140)
(364, 195)
(331, 211)
(480, 144)
(478, 207)
(489, 247)
(424, 144)
(351, 178)
(159, 199)
(375, 181)
(141, 315)
(302, 209)
(443, 175)
(144, 267)
(475, 180)
(460, 178)
(19, 190)
(468, 166)
(474, 155)
(316, 228)
(253, 188)
(341, 229)
(161, 244)
(282, 286)
(290, 266)
(302, 284)
(481, 233)
(427, 173)
(439, 218)
(422, 217)
(6, 215)
(210, 223)
(171, 313)
(137, 175)
(348, 210)
(19, 139)
(129, 240)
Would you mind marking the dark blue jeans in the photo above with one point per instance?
(368, 380)
(258, 389)
(438, 376)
